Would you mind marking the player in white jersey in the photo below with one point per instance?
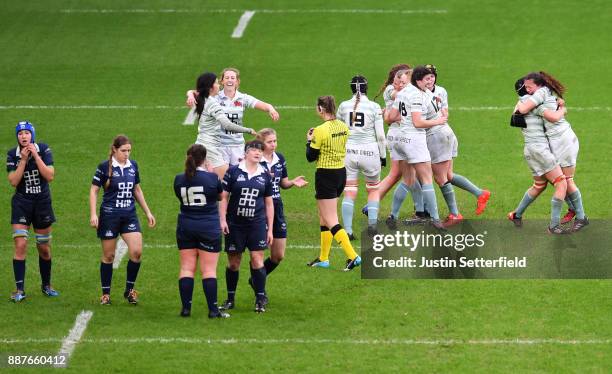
(365, 151)
(443, 146)
(233, 103)
(561, 138)
(212, 121)
(412, 106)
(543, 164)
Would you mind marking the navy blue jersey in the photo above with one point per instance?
(119, 195)
(32, 186)
(247, 192)
(198, 197)
(278, 171)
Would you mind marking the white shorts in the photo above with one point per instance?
(214, 158)
(391, 135)
(565, 148)
(442, 145)
(232, 154)
(539, 158)
(412, 147)
(364, 158)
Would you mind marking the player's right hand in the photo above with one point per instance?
(93, 221)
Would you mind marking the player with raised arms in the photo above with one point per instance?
(198, 230)
(120, 178)
(365, 151)
(247, 217)
(233, 103)
(212, 123)
(30, 170)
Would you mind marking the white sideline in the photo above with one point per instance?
(121, 249)
(162, 245)
(286, 107)
(269, 11)
(392, 342)
(243, 22)
(74, 335)
(191, 117)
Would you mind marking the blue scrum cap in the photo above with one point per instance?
(25, 125)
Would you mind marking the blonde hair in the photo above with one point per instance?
(230, 69)
(263, 134)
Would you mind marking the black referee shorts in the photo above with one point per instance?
(329, 183)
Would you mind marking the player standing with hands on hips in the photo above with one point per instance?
(30, 169)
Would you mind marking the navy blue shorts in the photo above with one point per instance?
(241, 237)
(279, 227)
(38, 213)
(189, 239)
(111, 225)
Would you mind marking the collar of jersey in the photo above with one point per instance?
(18, 150)
(117, 165)
(223, 96)
(275, 160)
(363, 97)
(200, 168)
(259, 171)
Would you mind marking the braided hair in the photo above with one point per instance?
(359, 85)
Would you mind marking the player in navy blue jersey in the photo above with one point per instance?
(275, 163)
(247, 215)
(30, 169)
(198, 230)
(120, 179)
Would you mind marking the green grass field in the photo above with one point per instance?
(83, 76)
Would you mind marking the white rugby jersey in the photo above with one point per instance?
(412, 100)
(545, 100)
(234, 110)
(534, 132)
(440, 93)
(389, 101)
(209, 125)
(368, 124)
(439, 101)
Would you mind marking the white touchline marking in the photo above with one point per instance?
(165, 246)
(268, 11)
(74, 335)
(243, 23)
(391, 342)
(121, 249)
(285, 107)
(191, 117)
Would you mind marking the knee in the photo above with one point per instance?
(233, 263)
(107, 258)
(136, 255)
(440, 180)
(277, 257)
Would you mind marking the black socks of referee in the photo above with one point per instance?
(19, 268)
(231, 281)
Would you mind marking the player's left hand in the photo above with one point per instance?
(273, 114)
(151, 220)
(299, 181)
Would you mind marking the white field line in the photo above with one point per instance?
(390, 342)
(160, 245)
(74, 335)
(120, 250)
(191, 117)
(283, 107)
(267, 11)
(243, 22)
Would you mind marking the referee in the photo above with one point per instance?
(327, 145)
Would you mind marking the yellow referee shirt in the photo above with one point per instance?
(330, 139)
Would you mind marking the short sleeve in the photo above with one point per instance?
(11, 161)
(317, 138)
(227, 181)
(268, 189)
(415, 102)
(539, 96)
(47, 156)
(250, 101)
(283, 162)
(219, 186)
(100, 177)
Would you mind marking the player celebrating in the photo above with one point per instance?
(120, 179)
(326, 144)
(30, 170)
(275, 163)
(233, 103)
(213, 122)
(365, 151)
(198, 231)
(247, 216)
(562, 139)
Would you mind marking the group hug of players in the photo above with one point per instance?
(231, 188)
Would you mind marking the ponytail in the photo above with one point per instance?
(391, 76)
(544, 79)
(357, 99)
(196, 155)
(203, 85)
